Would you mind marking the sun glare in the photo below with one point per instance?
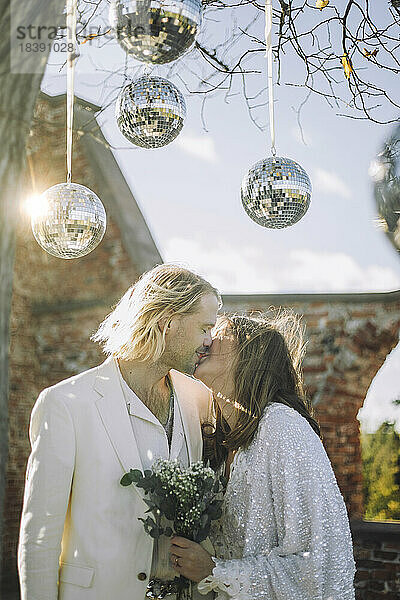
(36, 205)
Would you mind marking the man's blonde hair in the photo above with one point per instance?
(131, 331)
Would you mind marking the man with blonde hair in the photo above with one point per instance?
(80, 536)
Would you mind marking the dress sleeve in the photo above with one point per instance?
(294, 492)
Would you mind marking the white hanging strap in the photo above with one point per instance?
(268, 52)
(71, 56)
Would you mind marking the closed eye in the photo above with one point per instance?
(208, 328)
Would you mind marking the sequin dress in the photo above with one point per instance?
(284, 533)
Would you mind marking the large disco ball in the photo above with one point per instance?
(68, 220)
(150, 112)
(155, 31)
(385, 173)
(276, 192)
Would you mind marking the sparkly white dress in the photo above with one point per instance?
(284, 533)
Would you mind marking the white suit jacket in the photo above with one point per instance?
(80, 536)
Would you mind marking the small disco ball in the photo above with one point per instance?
(385, 174)
(276, 192)
(155, 31)
(68, 220)
(150, 112)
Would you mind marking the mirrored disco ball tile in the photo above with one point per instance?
(276, 192)
(156, 31)
(150, 112)
(70, 221)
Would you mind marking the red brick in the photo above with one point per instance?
(386, 556)
(361, 575)
(395, 545)
(383, 574)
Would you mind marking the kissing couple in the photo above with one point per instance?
(182, 383)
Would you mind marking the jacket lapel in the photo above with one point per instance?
(114, 415)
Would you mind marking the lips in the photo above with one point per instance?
(201, 358)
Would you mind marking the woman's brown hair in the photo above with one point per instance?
(267, 368)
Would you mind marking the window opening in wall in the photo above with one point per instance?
(380, 442)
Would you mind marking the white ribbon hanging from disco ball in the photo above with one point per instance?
(276, 191)
(156, 31)
(68, 220)
(150, 112)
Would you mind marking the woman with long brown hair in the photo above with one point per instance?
(284, 532)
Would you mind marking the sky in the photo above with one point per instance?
(189, 191)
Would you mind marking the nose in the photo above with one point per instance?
(207, 343)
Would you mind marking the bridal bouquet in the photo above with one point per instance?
(183, 501)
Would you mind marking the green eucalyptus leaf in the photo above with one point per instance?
(212, 512)
(142, 483)
(155, 500)
(150, 503)
(126, 479)
(208, 484)
(136, 475)
(155, 533)
(149, 521)
(204, 520)
(202, 534)
(165, 506)
(145, 524)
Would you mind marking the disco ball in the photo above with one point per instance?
(155, 31)
(68, 220)
(385, 173)
(150, 112)
(276, 192)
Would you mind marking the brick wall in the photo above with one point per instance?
(377, 555)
